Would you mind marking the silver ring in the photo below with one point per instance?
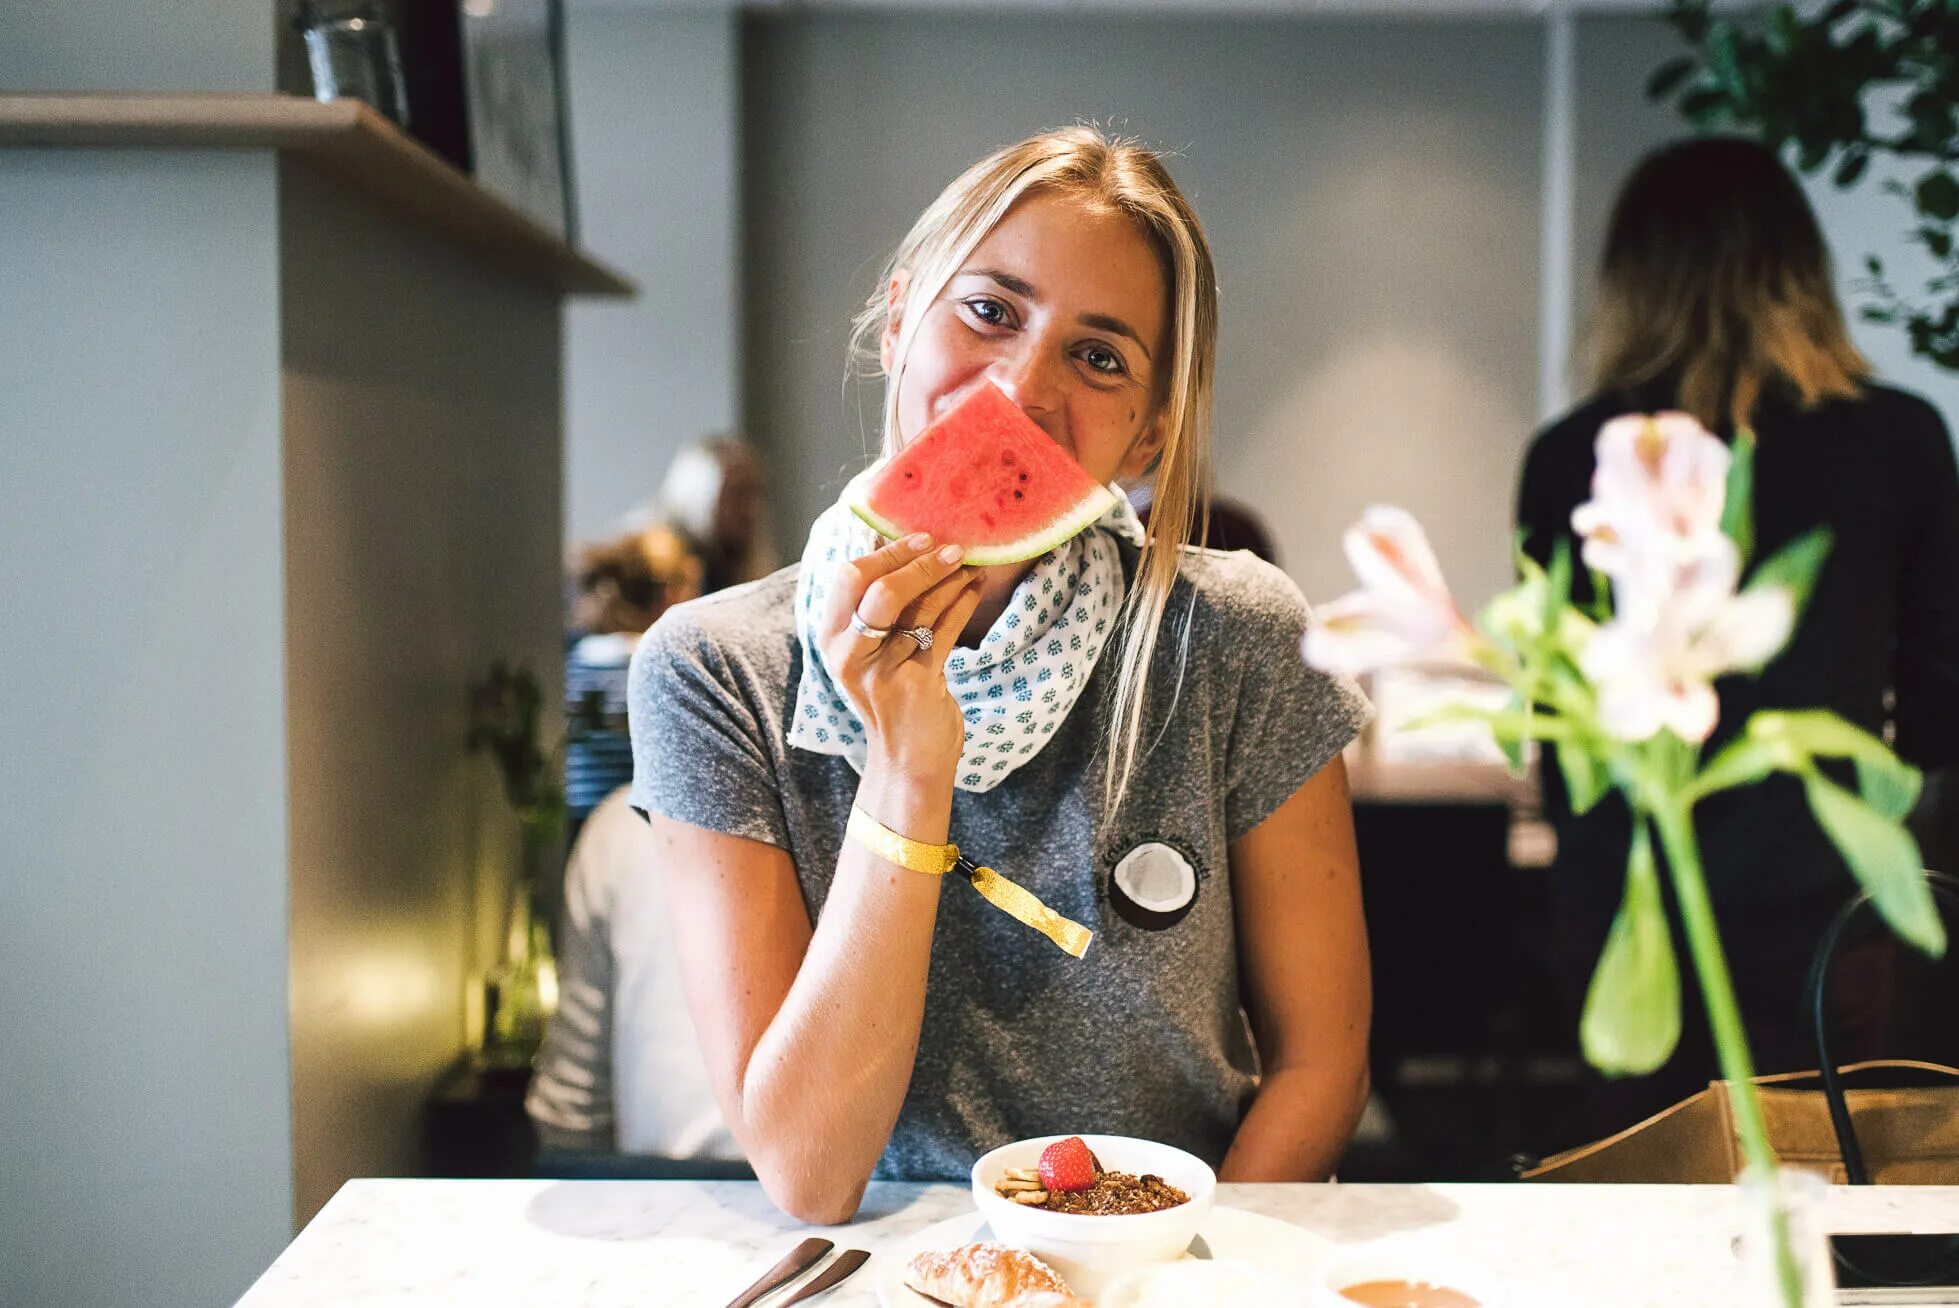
(863, 628)
(923, 635)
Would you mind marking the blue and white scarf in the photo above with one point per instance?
(1017, 687)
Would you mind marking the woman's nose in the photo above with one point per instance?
(1031, 380)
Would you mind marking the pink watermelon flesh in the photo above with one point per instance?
(985, 477)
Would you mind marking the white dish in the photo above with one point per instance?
(1285, 1252)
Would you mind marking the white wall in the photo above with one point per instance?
(421, 394)
(1370, 188)
(144, 1097)
(655, 155)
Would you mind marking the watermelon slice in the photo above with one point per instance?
(985, 477)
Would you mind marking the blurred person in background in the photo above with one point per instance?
(1716, 298)
(714, 496)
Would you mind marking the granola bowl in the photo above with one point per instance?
(1090, 1250)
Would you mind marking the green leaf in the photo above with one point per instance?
(1851, 167)
(1557, 583)
(1795, 566)
(1889, 786)
(1938, 195)
(1668, 77)
(1743, 762)
(1820, 733)
(1585, 777)
(1737, 509)
(1632, 1010)
(1884, 858)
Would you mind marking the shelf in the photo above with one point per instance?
(345, 138)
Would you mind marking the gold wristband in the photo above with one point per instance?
(936, 860)
(914, 855)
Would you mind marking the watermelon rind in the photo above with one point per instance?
(1060, 529)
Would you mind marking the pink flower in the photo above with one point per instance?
(1402, 613)
(1653, 525)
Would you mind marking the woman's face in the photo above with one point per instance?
(1063, 306)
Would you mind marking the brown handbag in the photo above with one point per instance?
(1888, 1121)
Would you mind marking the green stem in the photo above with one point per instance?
(1676, 827)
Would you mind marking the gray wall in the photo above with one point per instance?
(1370, 188)
(136, 45)
(422, 534)
(143, 834)
(654, 147)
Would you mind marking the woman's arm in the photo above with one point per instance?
(810, 1034)
(1302, 947)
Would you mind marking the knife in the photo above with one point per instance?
(847, 1262)
(797, 1261)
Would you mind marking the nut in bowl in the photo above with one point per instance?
(1125, 1199)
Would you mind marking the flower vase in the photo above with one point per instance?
(521, 991)
(1794, 1271)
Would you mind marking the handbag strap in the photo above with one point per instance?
(1943, 887)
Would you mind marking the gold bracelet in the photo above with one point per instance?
(914, 855)
(936, 860)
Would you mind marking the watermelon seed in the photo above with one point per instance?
(1020, 495)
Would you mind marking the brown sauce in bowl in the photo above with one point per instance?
(1406, 1294)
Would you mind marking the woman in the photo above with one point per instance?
(1716, 299)
(1179, 794)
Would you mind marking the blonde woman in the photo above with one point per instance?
(1123, 727)
(1716, 298)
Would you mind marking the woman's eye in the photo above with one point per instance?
(1103, 359)
(991, 312)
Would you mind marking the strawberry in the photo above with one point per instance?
(1067, 1165)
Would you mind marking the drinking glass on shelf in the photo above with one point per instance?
(354, 53)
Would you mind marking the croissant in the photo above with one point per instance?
(989, 1276)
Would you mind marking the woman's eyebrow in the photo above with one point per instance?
(1106, 323)
(1018, 285)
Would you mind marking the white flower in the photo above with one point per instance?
(1402, 613)
(1654, 526)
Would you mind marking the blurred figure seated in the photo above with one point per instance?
(618, 588)
(712, 496)
(620, 1071)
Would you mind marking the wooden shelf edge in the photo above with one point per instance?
(345, 137)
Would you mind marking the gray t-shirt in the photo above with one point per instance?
(1145, 1035)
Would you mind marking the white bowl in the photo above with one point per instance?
(1091, 1250)
(1391, 1262)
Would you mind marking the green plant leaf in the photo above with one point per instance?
(1585, 777)
(1743, 762)
(1890, 786)
(1938, 195)
(1795, 566)
(1668, 76)
(1737, 508)
(1884, 858)
(1632, 1009)
(1818, 732)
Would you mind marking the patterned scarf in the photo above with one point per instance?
(1016, 688)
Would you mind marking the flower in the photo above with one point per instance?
(1657, 495)
(1653, 525)
(1402, 612)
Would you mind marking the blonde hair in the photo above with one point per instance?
(1716, 281)
(1116, 173)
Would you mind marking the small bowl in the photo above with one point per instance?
(1388, 1262)
(1091, 1250)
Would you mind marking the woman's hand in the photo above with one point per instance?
(897, 688)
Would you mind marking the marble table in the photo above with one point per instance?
(651, 1244)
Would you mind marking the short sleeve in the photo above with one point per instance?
(700, 755)
(1290, 719)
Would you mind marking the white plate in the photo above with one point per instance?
(1277, 1248)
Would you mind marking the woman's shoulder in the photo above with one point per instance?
(752, 625)
(1235, 593)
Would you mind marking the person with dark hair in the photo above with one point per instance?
(1716, 298)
